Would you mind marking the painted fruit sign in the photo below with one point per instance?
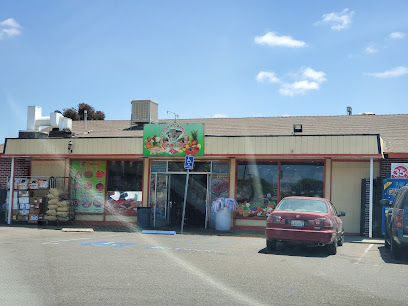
(173, 139)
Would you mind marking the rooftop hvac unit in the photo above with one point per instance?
(61, 126)
(144, 111)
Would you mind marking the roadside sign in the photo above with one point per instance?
(189, 162)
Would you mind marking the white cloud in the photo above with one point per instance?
(267, 76)
(370, 50)
(397, 35)
(338, 21)
(9, 28)
(318, 76)
(220, 116)
(297, 88)
(272, 40)
(393, 73)
(306, 80)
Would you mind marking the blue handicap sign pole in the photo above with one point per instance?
(188, 164)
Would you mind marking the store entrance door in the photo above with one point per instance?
(196, 204)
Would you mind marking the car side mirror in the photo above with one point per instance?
(384, 202)
(341, 214)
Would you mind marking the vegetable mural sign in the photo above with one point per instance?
(88, 185)
(173, 139)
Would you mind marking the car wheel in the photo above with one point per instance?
(271, 245)
(341, 240)
(386, 243)
(395, 249)
(332, 248)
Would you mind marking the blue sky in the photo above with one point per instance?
(203, 59)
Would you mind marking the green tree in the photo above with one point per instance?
(77, 113)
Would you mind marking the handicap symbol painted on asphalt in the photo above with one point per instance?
(109, 244)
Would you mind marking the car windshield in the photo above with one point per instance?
(305, 205)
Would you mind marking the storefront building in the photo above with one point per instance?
(111, 169)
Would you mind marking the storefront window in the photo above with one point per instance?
(257, 185)
(125, 179)
(302, 179)
(219, 179)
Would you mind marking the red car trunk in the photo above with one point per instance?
(301, 227)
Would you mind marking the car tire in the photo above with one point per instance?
(386, 243)
(395, 249)
(341, 240)
(332, 248)
(271, 245)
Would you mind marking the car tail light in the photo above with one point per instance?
(276, 219)
(321, 222)
(398, 219)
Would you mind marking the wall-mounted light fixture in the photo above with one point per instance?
(69, 147)
(297, 128)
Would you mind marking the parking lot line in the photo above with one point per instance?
(364, 254)
(166, 246)
(79, 240)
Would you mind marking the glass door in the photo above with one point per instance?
(159, 198)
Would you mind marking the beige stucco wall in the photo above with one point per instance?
(299, 144)
(249, 222)
(91, 146)
(98, 218)
(272, 145)
(346, 190)
(55, 168)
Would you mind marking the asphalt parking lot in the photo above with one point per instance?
(51, 267)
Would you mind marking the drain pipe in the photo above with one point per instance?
(370, 209)
(86, 121)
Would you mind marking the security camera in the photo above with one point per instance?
(70, 147)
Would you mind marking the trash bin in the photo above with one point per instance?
(143, 216)
(223, 219)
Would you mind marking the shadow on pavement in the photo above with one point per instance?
(296, 250)
(386, 256)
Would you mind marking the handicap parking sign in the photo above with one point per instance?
(188, 164)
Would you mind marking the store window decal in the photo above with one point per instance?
(88, 185)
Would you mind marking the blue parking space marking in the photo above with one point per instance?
(109, 244)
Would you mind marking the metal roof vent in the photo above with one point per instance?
(144, 111)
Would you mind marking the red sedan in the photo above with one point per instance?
(305, 220)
